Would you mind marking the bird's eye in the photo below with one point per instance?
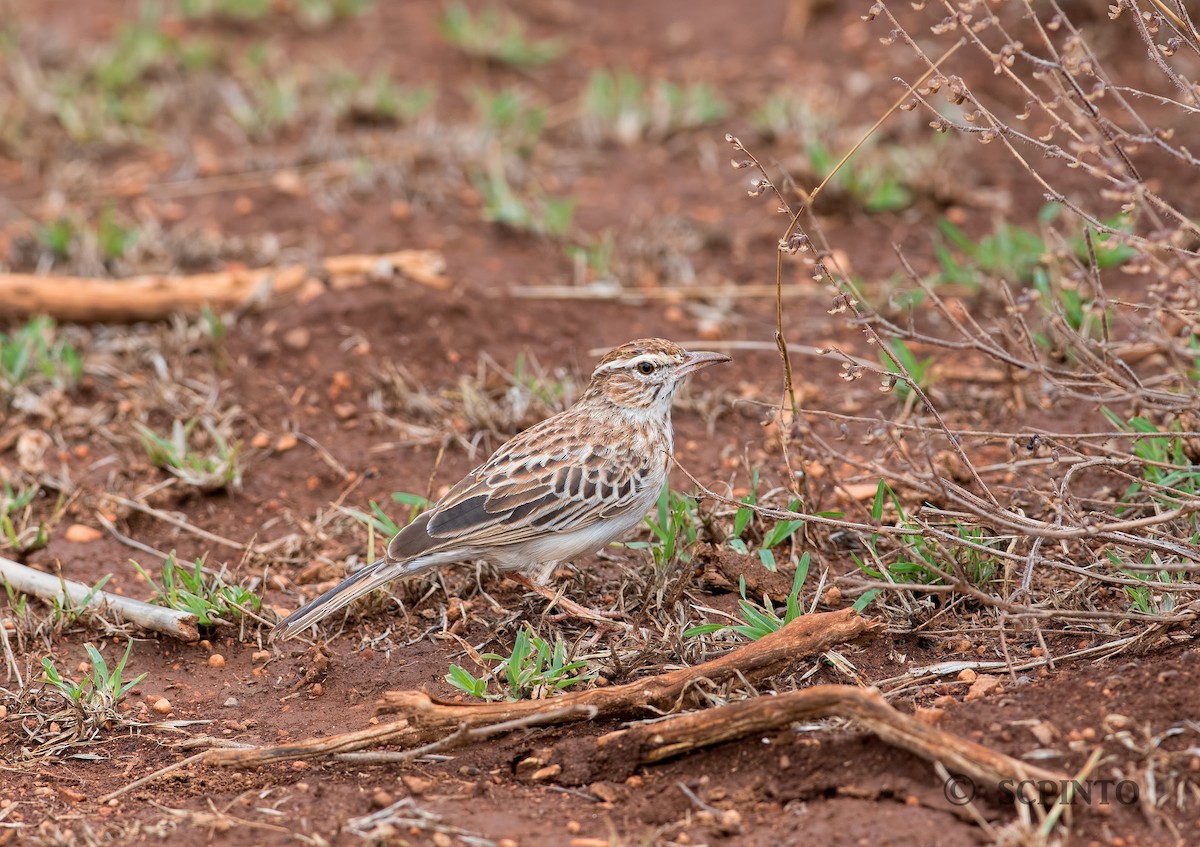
(646, 367)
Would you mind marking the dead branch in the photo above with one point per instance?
(170, 622)
(684, 733)
(429, 718)
(154, 296)
(808, 635)
(456, 724)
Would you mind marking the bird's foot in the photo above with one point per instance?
(569, 607)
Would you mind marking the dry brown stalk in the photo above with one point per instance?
(170, 622)
(433, 724)
(155, 296)
(428, 718)
(684, 733)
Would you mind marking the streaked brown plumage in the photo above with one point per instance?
(564, 487)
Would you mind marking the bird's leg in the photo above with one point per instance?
(569, 606)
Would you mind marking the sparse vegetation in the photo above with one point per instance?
(745, 532)
(510, 118)
(95, 695)
(535, 212)
(211, 467)
(497, 36)
(377, 99)
(623, 108)
(759, 620)
(675, 529)
(207, 596)
(534, 669)
(37, 349)
(18, 529)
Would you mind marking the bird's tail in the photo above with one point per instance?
(343, 594)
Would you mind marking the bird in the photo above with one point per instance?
(562, 488)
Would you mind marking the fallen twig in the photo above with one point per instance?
(154, 296)
(679, 734)
(228, 752)
(170, 622)
(428, 718)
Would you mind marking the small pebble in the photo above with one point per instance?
(261, 441)
(574, 827)
(77, 533)
(548, 772)
(416, 785)
(441, 839)
(286, 442)
(232, 703)
(382, 799)
(216, 660)
(261, 656)
(162, 705)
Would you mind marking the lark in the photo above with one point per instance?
(562, 488)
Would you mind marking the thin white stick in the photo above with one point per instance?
(170, 622)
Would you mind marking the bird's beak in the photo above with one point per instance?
(698, 360)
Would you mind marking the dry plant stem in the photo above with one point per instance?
(47, 586)
(152, 297)
(10, 661)
(679, 292)
(173, 520)
(428, 718)
(684, 733)
(233, 754)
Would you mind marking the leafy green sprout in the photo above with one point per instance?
(674, 527)
(621, 107)
(510, 117)
(317, 14)
(36, 349)
(1168, 474)
(595, 258)
(903, 359)
(878, 186)
(759, 620)
(237, 10)
(1156, 596)
(213, 324)
(314, 14)
(65, 612)
(379, 523)
(1022, 254)
(1009, 251)
(377, 99)
(114, 238)
(191, 590)
(210, 470)
(58, 236)
(20, 534)
(495, 36)
(920, 560)
(549, 392)
(537, 213)
(98, 692)
(533, 670)
(269, 97)
(779, 532)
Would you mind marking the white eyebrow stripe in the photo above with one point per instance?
(618, 364)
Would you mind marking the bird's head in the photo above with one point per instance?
(642, 376)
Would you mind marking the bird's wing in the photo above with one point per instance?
(518, 495)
